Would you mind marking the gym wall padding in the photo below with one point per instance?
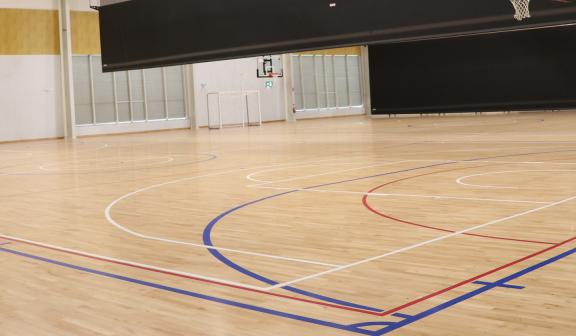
(29, 32)
(85, 33)
(35, 32)
(526, 70)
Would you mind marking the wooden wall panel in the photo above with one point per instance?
(29, 32)
(85, 33)
(335, 51)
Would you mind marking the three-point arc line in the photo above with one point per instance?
(392, 311)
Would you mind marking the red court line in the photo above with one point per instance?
(293, 298)
(306, 300)
(369, 207)
(462, 283)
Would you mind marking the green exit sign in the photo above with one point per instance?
(269, 84)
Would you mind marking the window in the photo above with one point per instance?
(326, 81)
(127, 96)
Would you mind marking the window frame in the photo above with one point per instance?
(130, 102)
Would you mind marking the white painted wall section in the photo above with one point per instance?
(30, 103)
(236, 75)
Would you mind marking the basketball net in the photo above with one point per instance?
(522, 8)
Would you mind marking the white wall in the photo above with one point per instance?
(30, 103)
(132, 127)
(235, 75)
(330, 112)
(30, 89)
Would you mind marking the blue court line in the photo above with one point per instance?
(355, 328)
(501, 285)
(372, 324)
(207, 239)
(207, 234)
(400, 315)
(193, 294)
(473, 293)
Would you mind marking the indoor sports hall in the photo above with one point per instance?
(297, 168)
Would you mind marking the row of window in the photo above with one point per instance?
(326, 81)
(127, 96)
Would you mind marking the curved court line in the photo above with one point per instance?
(214, 251)
(110, 219)
(492, 149)
(207, 238)
(461, 179)
(330, 191)
(357, 328)
(209, 228)
(47, 153)
(381, 214)
(27, 154)
(424, 243)
(45, 167)
(209, 156)
(389, 163)
(251, 177)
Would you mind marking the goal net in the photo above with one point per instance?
(522, 8)
(234, 109)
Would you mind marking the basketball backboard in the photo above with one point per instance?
(269, 66)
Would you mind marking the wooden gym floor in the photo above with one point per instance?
(416, 226)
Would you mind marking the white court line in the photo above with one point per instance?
(491, 161)
(109, 218)
(315, 163)
(127, 262)
(45, 167)
(461, 179)
(18, 152)
(250, 177)
(493, 149)
(415, 246)
(403, 195)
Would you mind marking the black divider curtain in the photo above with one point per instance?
(527, 70)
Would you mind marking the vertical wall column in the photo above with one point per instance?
(289, 105)
(365, 73)
(190, 100)
(69, 114)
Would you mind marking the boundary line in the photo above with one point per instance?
(210, 226)
(356, 328)
(461, 179)
(45, 167)
(500, 283)
(418, 245)
(189, 293)
(402, 195)
(262, 182)
(190, 276)
(478, 277)
(370, 208)
(132, 264)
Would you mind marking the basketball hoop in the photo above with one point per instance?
(269, 67)
(522, 8)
